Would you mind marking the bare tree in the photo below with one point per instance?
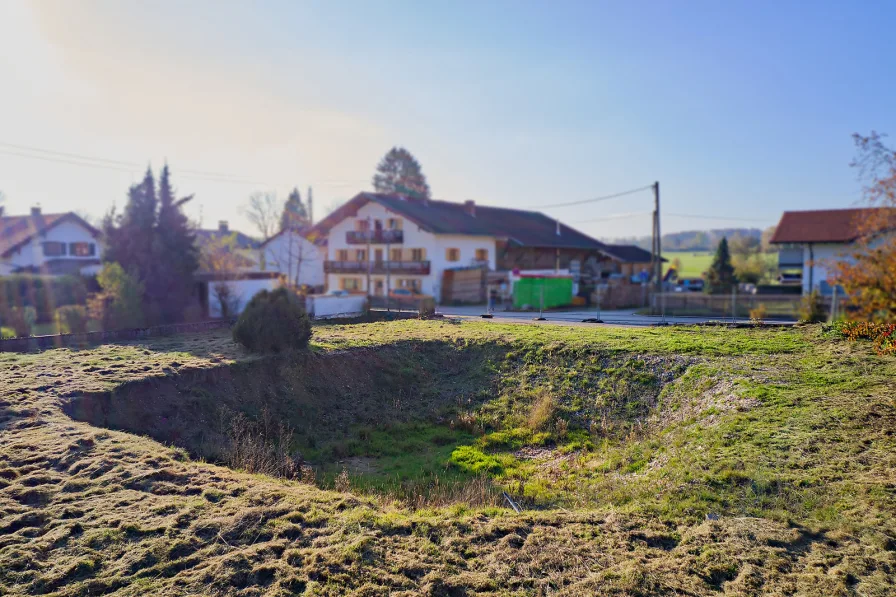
(263, 212)
(2, 200)
(221, 257)
(288, 255)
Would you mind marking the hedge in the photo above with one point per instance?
(44, 293)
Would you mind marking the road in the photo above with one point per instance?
(625, 317)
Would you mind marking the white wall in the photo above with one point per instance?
(322, 306)
(435, 247)
(294, 256)
(242, 292)
(32, 254)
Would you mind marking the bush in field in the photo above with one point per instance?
(19, 319)
(6, 333)
(71, 319)
(759, 314)
(811, 308)
(273, 321)
(882, 334)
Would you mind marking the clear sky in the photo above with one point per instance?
(740, 109)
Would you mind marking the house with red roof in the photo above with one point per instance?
(395, 242)
(810, 242)
(54, 244)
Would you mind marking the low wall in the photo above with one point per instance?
(32, 343)
(322, 306)
(698, 303)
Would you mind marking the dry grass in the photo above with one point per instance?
(90, 511)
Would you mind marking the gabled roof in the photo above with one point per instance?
(517, 226)
(243, 241)
(628, 253)
(830, 225)
(17, 231)
(310, 233)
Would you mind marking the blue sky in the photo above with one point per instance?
(740, 109)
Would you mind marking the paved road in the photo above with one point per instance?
(620, 317)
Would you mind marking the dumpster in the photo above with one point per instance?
(529, 290)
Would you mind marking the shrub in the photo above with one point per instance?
(19, 319)
(811, 308)
(120, 304)
(44, 293)
(71, 319)
(882, 334)
(543, 411)
(273, 321)
(759, 314)
(7, 333)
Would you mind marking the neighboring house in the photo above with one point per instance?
(809, 242)
(296, 254)
(400, 242)
(246, 246)
(54, 244)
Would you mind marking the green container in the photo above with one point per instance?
(528, 291)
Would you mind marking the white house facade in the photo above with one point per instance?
(54, 244)
(813, 242)
(388, 250)
(296, 255)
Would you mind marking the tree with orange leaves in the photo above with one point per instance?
(869, 278)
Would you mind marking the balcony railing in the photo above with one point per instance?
(381, 237)
(417, 268)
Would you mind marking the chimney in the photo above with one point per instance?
(558, 227)
(35, 211)
(222, 227)
(470, 207)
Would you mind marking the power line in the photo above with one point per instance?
(706, 217)
(594, 200)
(109, 164)
(618, 216)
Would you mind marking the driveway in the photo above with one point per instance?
(619, 317)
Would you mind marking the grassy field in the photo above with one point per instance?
(681, 461)
(694, 263)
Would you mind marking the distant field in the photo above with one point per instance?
(694, 263)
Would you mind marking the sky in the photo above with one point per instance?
(740, 109)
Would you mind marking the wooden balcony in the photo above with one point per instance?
(414, 268)
(374, 237)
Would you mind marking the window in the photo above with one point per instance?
(360, 254)
(350, 284)
(410, 284)
(417, 254)
(481, 254)
(81, 249)
(393, 224)
(395, 255)
(341, 254)
(53, 248)
(362, 225)
(452, 254)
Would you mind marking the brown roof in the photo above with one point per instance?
(517, 226)
(829, 225)
(16, 231)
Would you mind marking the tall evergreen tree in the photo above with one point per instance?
(400, 173)
(151, 239)
(720, 276)
(176, 257)
(129, 235)
(294, 213)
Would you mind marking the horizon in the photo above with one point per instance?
(741, 112)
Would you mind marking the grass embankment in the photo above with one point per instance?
(661, 461)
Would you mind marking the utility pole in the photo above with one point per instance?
(657, 240)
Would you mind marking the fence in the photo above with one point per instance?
(31, 343)
(696, 303)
